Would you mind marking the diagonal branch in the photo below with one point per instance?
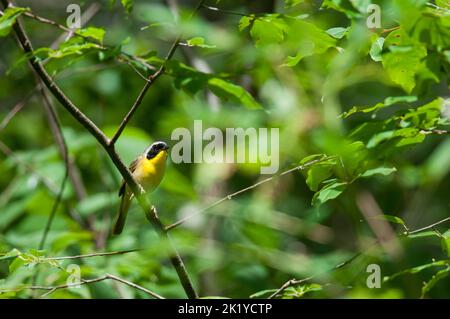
(231, 196)
(108, 253)
(90, 126)
(52, 289)
(150, 80)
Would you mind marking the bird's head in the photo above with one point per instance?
(155, 149)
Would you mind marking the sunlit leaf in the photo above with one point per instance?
(392, 100)
(338, 32)
(445, 241)
(379, 170)
(376, 49)
(228, 90)
(245, 22)
(92, 32)
(404, 59)
(8, 19)
(198, 42)
(330, 191)
(311, 40)
(441, 274)
(128, 5)
(415, 270)
(268, 29)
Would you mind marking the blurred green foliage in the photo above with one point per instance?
(371, 103)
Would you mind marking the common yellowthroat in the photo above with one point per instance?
(148, 170)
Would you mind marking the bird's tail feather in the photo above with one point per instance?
(122, 215)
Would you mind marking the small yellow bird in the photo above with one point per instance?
(148, 170)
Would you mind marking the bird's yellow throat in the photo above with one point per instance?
(149, 172)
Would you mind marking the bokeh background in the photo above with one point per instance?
(261, 238)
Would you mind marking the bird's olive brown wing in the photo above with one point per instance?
(132, 168)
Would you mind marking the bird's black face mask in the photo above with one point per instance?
(155, 148)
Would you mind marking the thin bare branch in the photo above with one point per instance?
(109, 253)
(287, 284)
(435, 131)
(16, 109)
(129, 283)
(428, 227)
(71, 32)
(52, 289)
(230, 196)
(150, 80)
(215, 9)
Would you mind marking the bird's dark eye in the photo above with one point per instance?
(152, 153)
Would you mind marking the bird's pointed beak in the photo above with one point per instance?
(166, 148)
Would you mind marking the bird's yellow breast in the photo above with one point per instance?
(149, 172)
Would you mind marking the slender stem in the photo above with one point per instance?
(287, 284)
(16, 109)
(150, 80)
(225, 11)
(52, 289)
(230, 196)
(428, 227)
(109, 253)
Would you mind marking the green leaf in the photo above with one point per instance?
(405, 59)
(415, 270)
(311, 158)
(445, 241)
(387, 102)
(337, 32)
(441, 274)
(10, 254)
(245, 22)
(317, 174)
(406, 136)
(8, 19)
(376, 49)
(128, 5)
(342, 6)
(198, 42)
(75, 46)
(392, 219)
(300, 290)
(330, 191)
(268, 29)
(228, 90)
(379, 170)
(92, 32)
(311, 40)
(16, 264)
